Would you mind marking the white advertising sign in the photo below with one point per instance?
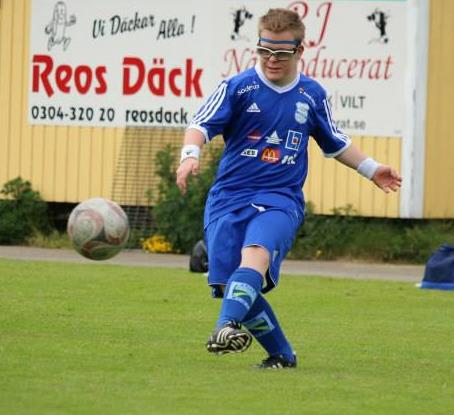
(153, 63)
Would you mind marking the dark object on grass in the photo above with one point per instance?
(199, 258)
(439, 272)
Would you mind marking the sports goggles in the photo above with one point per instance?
(279, 54)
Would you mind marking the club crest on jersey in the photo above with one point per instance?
(294, 139)
(249, 152)
(273, 138)
(271, 155)
(301, 113)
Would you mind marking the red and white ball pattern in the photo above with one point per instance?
(98, 228)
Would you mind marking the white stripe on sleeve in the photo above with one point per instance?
(332, 125)
(212, 105)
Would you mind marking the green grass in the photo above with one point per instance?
(99, 339)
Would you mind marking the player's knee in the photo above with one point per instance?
(255, 257)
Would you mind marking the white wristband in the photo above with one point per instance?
(190, 151)
(368, 167)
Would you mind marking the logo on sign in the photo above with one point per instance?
(380, 21)
(294, 139)
(239, 19)
(56, 29)
(271, 155)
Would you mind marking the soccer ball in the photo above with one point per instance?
(98, 228)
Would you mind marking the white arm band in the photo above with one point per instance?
(190, 151)
(368, 167)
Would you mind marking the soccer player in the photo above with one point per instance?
(266, 115)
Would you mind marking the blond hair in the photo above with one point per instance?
(280, 20)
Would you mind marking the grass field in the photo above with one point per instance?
(99, 339)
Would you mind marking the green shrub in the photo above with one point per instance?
(180, 218)
(22, 212)
(344, 236)
(324, 236)
(415, 242)
(53, 240)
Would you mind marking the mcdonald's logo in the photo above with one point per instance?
(271, 155)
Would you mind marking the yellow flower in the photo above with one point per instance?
(156, 244)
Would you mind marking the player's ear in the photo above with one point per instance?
(300, 50)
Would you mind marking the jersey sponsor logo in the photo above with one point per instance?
(253, 108)
(247, 88)
(294, 139)
(301, 113)
(254, 135)
(271, 155)
(249, 152)
(289, 159)
(273, 138)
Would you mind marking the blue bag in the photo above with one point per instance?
(439, 272)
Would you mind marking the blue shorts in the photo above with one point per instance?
(271, 228)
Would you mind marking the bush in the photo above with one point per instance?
(22, 213)
(178, 218)
(52, 240)
(324, 236)
(344, 236)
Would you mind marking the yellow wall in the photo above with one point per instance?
(439, 169)
(72, 164)
(332, 185)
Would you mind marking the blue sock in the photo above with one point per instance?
(242, 289)
(263, 325)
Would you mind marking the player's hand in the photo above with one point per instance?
(190, 166)
(387, 179)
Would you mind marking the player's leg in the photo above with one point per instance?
(224, 241)
(266, 232)
(264, 326)
(273, 230)
(244, 285)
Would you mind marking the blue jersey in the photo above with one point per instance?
(266, 129)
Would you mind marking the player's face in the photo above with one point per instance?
(279, 67)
